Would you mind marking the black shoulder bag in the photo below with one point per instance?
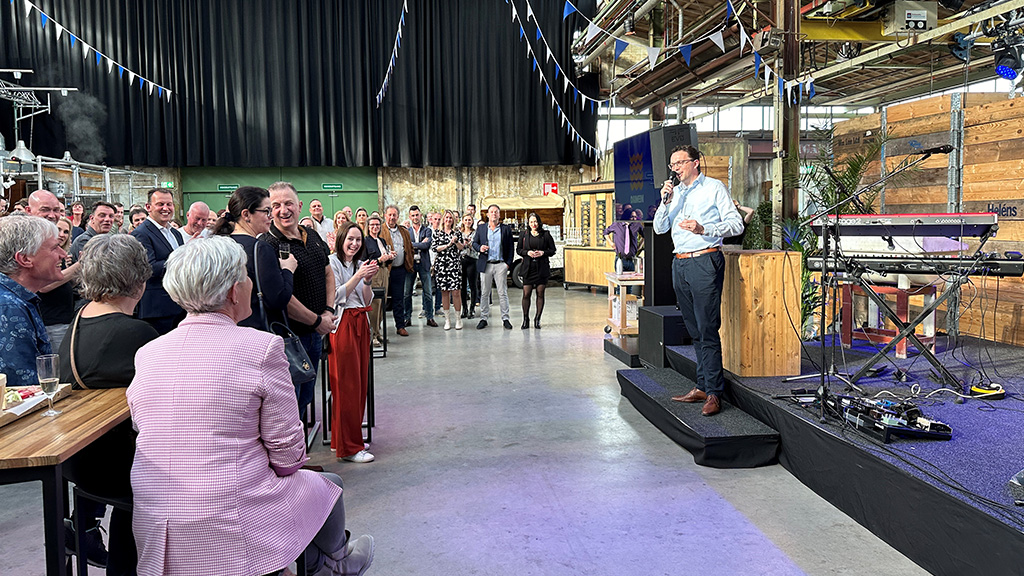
(301, 368)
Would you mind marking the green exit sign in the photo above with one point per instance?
(227, 187)
(167, 184)
(334, 186)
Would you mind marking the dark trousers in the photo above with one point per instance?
(470, 283)
(314, 345)
(396, 290)
(698, 285)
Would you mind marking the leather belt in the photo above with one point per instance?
(684, 255)
(495, 261)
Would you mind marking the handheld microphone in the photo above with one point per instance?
(944, 149)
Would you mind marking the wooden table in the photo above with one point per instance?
(36, 447)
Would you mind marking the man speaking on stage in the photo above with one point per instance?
(700, 213)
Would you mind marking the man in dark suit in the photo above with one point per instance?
(494, 242)
(159, 239)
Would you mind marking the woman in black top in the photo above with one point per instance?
(536, 246)
(99, 352)
(248, 216)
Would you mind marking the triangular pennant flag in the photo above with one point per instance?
(743, 37)
(168, 92)
(85, 50)
(160, 92)
(538, 33)
(575, 94)
(557, 70)
(110, 65)
(554, 102)
(28, 9)
(60, 29)
(565, 83)
(150, 88)
(757, 64)
(514, 14)
(684, 51)
(131, 77)
(42, 20)
(767, 79)
(799, 92)
(546, 89)
(810, 89)
(99, 58)
(569, 9)
(652, 55)
(620, 45)
(591, 106)
(534, 64)
(120, 71)
(718, 40)
(728, 9)
(592, 30)
(521, 32)
(548, 51)
(780, 87)
(789, 91)
(142, 83)
(563, 120)
(529, 12)
(72, 39)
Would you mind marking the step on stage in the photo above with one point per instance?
(945, 505)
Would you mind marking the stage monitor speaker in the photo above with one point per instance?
(660, 326)
(658, 289)
(663, 141)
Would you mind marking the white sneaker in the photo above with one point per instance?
(360, 457)
(421, 314)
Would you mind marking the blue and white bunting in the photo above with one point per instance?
(394, 54)
(87, 49)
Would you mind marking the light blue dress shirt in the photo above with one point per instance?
(494, 241)
(708, 202)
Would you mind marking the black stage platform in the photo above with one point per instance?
(625, 349)
(944, 504)
(732, 439)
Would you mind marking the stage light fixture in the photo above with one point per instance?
(1008, 52)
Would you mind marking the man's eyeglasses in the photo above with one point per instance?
(681, 162)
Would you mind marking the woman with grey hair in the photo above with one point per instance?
(218, 481)
(99, 352)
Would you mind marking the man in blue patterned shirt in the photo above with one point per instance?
(30, 258)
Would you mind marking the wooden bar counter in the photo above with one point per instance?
(760, 307)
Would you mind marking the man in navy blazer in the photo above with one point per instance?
(494, 242)
(421, 237)
(159, 239)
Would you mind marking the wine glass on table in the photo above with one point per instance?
(48, 372)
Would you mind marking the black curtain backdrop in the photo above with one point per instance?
(293, 83)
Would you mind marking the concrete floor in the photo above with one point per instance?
(512, 452)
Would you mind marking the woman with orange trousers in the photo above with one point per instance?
(350, 343)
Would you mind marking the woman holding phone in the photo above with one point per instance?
(350, 343)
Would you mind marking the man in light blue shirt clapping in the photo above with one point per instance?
(699, 213)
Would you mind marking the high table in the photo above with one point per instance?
(36, 447)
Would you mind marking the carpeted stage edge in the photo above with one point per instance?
(885, 487)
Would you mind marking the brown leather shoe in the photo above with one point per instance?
(402, 332)
(695, 395)
(712, 406)
(431, 323)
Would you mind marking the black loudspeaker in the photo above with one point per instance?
(663, 141)
(660, 326)
(658, 256)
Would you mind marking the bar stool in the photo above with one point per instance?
(881, 334)
(124, 504)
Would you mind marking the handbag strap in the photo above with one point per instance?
(74, 333)
(259, 289)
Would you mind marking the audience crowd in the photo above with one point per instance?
(228, 306)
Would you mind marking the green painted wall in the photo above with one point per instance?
(358, 185)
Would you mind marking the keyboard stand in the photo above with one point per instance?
(906, 329)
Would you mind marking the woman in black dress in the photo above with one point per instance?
(536, 246)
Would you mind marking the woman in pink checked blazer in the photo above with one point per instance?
(218, 488)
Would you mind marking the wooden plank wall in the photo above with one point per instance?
(717, 167)
(993, 181)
